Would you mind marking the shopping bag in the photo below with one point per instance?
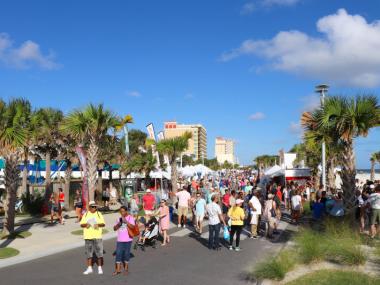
(226, 233)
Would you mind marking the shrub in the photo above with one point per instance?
(335, 277)
(275, 268)
(338, 243)
(33, 204)
(310, 245)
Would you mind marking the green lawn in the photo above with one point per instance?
(80, 232)
(16, 234)
(335, 277)
(7, 252)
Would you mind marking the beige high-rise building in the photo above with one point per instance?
(225, 150)
(197, 144)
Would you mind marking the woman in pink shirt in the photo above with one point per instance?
(164, 221)
(124, 241)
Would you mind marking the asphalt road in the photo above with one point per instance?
(186, 260)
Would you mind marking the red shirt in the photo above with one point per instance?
(279, 194)
(226, 199)
(61, 197)
(149, 200)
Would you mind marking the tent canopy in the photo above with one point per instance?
(274, 171)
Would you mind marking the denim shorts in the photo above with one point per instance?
(123, 251)
(92, 246)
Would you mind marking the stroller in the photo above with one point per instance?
(149, 235)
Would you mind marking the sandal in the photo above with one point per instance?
(116, 273)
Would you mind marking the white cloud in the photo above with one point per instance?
(257, 116)
(280, 2)
(188, 96)
(295, 128)
(346, 54)
(133, 93)
(248, 8)
(310, 102)
(26, 56)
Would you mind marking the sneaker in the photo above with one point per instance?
(237, 249)
(255, 237)
(230, 247)
(100, 270)
(179, 225)
(184, 226)
(88, 271)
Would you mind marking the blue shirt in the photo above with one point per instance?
(200, 207)
(318, 209)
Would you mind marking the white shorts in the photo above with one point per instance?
(200, 218)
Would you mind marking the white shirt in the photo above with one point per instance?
(256, 204)
(213, 211)
(296, 202)
(374, 200)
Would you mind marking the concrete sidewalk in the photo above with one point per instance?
(48, 239)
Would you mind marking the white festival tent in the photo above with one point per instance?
(190, 171)
(274, 171)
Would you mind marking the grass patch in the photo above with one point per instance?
(17, 234)
(7, 252)
(80, 232)
(336, 277)
(275, 268)
(337, 243)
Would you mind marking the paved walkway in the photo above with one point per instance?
(50, 239)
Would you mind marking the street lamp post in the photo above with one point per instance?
(322, 90)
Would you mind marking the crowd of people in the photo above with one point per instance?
(231, 205)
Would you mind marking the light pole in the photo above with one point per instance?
(322, 90)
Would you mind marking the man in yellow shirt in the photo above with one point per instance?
(92, 223)
(237, 216)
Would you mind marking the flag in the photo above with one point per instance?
(82, 158)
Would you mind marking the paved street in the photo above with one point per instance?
(185, 261)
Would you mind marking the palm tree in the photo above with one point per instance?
(173, 148)
(46, 133)
(13, 135)
(90, 127)
(344, 119)
(375, 157)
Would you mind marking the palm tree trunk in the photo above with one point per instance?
(372, 170)
(92, 162)
(174, 175)
(66, 190)
(48, 169)
(12, 174)
(100, 185)
(348, 176)
(330, 173)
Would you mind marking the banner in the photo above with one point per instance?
(83, 162)
(161, 136)
(152, 136)
(126, 139)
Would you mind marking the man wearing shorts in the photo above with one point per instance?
(183, 206)
(374, 202)
(92, 223)
(200, 209)
(149, 202)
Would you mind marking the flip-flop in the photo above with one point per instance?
(116, 273)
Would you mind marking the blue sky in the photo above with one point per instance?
(244, 69)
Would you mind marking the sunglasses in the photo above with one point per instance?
(92, 207)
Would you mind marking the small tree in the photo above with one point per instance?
(173, 148)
